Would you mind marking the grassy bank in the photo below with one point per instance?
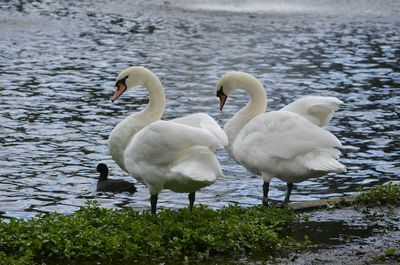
(386, 194)
(129, 237)
(108, 235)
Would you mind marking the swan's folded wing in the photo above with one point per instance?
(198, 163)
(317, 109)
(280, 135)
(205, 122)
(171, 136)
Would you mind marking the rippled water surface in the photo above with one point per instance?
(59, 60)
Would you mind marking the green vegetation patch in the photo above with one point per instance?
(109, 235)
(389, 255)
(385, 194)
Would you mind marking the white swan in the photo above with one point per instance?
(177, 154)
(279, 144)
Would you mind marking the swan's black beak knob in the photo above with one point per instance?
(222, 98)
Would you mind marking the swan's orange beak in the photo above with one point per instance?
(121, 88)
(222, 98)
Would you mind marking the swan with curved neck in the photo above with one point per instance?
(279, 144)
(122, 134)
(176, 154)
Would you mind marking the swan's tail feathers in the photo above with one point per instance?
(325, 161)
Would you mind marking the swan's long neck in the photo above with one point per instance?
(155, 109)
(256, 106)
(123, 133)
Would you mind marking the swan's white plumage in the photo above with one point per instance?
(316, 109)
(121, 136)
(276, 144)
(205, 122)
(285, 144)
(177, 154)
(170, 155)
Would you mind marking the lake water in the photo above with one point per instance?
(59, 61)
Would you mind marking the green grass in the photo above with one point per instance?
(389, 255)
(126, 236)
(107, 235)
(385, 194)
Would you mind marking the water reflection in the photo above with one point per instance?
(59, 62)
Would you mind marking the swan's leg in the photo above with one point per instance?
(265, 194)
(288, 192)
(192, 197)
(153, 202)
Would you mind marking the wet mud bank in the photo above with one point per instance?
(346, 235)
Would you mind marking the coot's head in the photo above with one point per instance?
(103, 170)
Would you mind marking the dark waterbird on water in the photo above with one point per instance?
(112, 185)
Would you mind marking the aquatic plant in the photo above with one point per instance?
(109, 235)
(384, 194)
(389, 255)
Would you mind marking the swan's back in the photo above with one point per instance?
(205, 122)
(171, 155)
(316, 109)
(282, 143)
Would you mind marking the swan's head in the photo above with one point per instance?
(228, 83)
(129, 78)
(233, 80)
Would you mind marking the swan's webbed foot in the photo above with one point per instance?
(153, 202)
(192, 197)
(266, 203)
